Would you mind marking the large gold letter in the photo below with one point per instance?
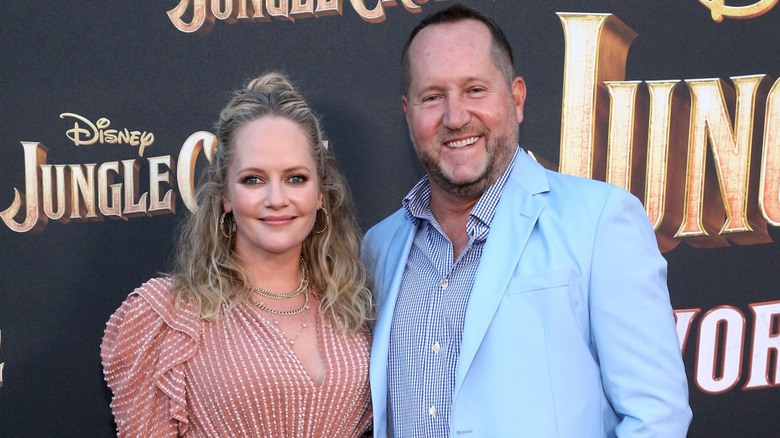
(769, 187)
(202, 18)
(168, 203)
(107, 185)
(185, 170)
(278, 8)
(734, 161)
(627, 136)
(130, 170)
(62, 213)
(302, 8)
(34, 220)
(223, 10)
(328, 7)
(376, 15)
(667, 143)
(82, 191)
(256, 9)
(596, 50)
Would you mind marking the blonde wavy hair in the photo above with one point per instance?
(206, 269)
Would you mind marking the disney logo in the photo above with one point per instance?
(719, 9)
(99, 132)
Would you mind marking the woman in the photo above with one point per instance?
(262, 329)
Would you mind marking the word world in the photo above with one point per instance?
(721, 341)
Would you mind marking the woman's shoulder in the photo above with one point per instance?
(153, 307)
(159, 296)
(156, 293)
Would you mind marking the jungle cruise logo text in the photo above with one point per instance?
(96, 191)
(198, 16)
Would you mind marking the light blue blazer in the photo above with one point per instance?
(568, 332)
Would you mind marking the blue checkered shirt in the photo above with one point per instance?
(427, 326)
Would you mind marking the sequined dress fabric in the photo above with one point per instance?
(174, 374)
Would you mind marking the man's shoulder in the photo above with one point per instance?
(575, 188)
(538, 179)
(588, 200)
(396, 220)
(566, 180)
(382, 233)
(379, 238)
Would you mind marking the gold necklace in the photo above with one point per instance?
(304, 285)
(262, 305)
(272, 312)
(303, 326)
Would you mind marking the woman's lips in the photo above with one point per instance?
(277, 220)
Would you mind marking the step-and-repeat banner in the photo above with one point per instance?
(107, 109)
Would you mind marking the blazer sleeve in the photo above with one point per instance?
(632, 325)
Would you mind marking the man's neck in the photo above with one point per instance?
(452, 214)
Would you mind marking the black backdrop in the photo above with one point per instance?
(127, 62)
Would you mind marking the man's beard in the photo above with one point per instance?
(499, 153)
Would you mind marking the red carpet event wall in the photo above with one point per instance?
(107, 109)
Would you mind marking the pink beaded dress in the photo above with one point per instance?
(174, 374)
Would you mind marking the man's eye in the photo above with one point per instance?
(430, 98)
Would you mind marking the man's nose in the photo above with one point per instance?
(456, 114)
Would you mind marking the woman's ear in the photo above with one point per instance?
(226, 207)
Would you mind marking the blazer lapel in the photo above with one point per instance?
(392, 271)
(515, 218)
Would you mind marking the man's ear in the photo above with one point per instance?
(518, 96)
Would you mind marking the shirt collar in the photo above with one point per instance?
(418, 202)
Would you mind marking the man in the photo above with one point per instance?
(513, 301)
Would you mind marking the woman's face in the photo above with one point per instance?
(272, 189)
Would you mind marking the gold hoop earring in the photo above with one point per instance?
(222, 226)
(327, 223)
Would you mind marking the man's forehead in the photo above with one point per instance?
(478, 33)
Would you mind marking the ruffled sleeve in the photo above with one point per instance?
(145, 346)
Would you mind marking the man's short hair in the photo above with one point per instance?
(501, 51)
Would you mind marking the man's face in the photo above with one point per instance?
(463, 116)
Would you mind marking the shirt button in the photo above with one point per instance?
(436, 347)
(443, 284)
(432, 411)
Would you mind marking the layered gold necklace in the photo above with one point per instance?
(303, 287)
